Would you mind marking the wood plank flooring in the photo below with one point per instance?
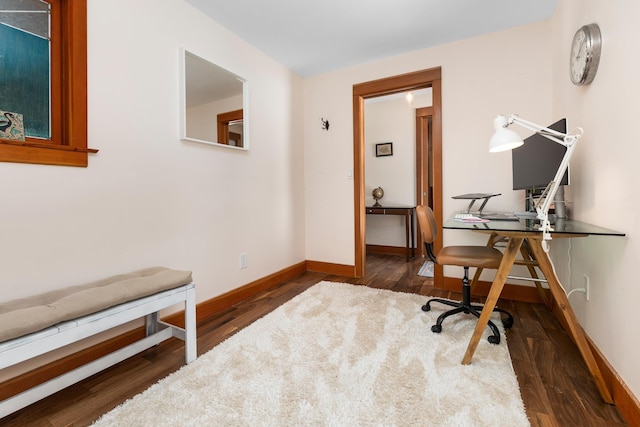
(556, 387)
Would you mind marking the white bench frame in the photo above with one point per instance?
(26, 347)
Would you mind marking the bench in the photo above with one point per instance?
(35, 325)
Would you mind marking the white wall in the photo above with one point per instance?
(148, 198)
(481, 77)
(605, 184)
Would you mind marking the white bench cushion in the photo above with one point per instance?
(31, 314)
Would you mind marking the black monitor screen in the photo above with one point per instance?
(536, 162)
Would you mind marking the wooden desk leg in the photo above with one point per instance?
(494, 293)
(569, 316)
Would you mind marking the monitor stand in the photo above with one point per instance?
(559, 203)
(476, 196)
(529, 201)
(560, 209)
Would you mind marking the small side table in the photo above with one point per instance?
(407, 211)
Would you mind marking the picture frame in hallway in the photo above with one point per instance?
(384, 149)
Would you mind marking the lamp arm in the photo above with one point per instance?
(555, 184)
(543, 211)
(551, 134)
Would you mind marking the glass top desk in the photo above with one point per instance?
(517, 232)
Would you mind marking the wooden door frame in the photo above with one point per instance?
(422, 166)
(402, 83)
(223, 125)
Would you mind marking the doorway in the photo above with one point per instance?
(430, 78)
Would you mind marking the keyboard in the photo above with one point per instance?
(467, 217)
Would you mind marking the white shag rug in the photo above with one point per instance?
(338, 355)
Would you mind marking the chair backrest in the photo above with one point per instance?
(427, 223)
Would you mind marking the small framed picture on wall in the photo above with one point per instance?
(384, 149)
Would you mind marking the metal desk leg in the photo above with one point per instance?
(494, 293)
(569, 316)
(406, 236)
(413, 244)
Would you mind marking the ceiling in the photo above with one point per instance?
(316, 37)
(206, 82)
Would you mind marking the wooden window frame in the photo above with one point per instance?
(68, 143)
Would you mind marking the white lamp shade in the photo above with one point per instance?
(504, 139)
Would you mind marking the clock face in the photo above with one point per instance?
(579, 57)
(585, 54)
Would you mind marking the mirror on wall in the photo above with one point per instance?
(213, 104)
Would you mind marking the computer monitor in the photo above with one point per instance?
(536, 163)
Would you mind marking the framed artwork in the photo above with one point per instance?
(384, 149)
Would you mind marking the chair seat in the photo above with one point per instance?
(470, 256)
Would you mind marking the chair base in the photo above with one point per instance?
(468, 308)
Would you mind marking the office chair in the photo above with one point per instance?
(462, 256)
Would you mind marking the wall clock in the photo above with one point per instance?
(585, 54)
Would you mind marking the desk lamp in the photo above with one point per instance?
(506, 139)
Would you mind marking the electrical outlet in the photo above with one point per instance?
(243, 260)
(586, 286)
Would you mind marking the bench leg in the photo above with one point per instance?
(58, 383)
(151, 323)
(190, 342)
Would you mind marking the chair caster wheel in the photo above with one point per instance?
(426, 307)
(493, 339)
(436, 328)
(507, 323)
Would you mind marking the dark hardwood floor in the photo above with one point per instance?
(556, 387)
